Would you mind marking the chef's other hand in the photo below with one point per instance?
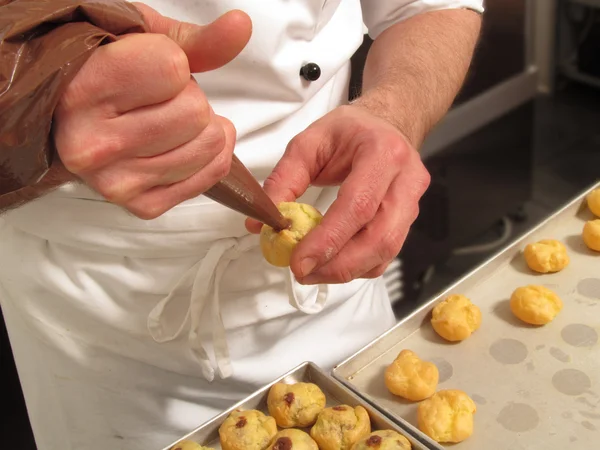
(381, 180)
(136, 127)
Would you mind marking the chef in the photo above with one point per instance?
(138, 308)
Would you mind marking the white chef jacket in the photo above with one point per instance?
(118, 324)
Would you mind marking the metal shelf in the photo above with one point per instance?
(568, 42)
(572, 72)
(590, 3)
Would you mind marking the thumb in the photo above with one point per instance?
(290, 178)
(207, 47)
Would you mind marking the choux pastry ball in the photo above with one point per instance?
(189, 445)
(536, 305)
(410, 377)
(340, 427)
(383, 440)
(447, 416)
(292, 439)
(546, 256)
(591, 234)
(247, 430)
(593, 201)
(456, 318)
(295, 405)
(277, 247)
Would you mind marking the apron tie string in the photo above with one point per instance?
(207, 275)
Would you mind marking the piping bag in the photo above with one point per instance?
(241, 192)
(43, 44)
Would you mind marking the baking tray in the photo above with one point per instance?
(535, 387)
(336, 393)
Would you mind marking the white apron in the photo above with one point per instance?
(118, 324)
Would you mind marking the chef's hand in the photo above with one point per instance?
(381, 180)
(137, 128)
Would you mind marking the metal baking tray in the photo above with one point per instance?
(208, 434)
(535, 387)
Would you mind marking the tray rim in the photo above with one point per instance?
(339, 369)
(220, 417)
(406, 428)
(437, 297)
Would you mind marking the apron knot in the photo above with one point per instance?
(166, 324)
(163, 323)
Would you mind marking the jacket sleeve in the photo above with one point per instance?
(378, 15)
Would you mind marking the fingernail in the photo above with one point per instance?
(307, 265)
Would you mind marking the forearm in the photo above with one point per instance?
(415, 69)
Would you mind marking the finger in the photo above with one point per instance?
(381, 240)
(159, 200)
(377, 272)
(137, 71)
(147, 131)
(207, 47)
(253, 226)
(357, 203)
(156, 129)
(122, 182)
(291, 176)
(376, 244)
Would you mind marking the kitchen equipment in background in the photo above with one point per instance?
(578, 41)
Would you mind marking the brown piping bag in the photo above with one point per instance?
(43, 44)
